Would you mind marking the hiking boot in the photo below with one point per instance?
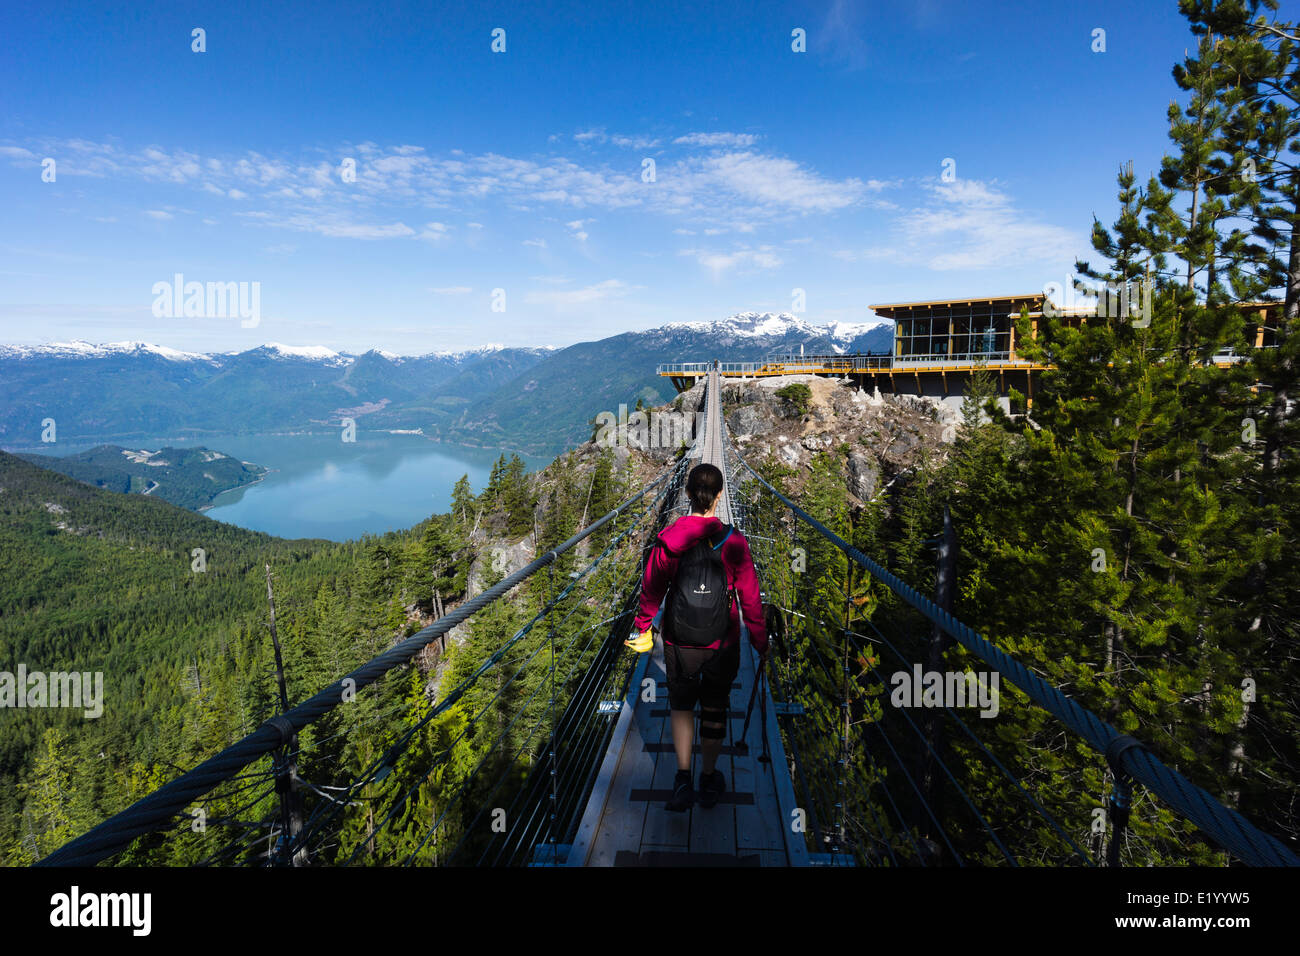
(683, 794)
(712, 786)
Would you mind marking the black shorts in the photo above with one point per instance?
(700, 674)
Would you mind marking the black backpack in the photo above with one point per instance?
(698, 608)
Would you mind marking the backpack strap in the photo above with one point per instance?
(731, 585)
(659, 539)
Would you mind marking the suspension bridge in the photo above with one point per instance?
(556, 749)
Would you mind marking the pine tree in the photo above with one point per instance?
(1124, 492)
(1258, 74)
(48, 795)
(1196, 169)
(602, 497)
(496, 478)
(517, 498)
(462, 503)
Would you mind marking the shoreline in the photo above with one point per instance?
(78, 442)
(225, 491)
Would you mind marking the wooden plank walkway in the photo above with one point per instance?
(626, 823)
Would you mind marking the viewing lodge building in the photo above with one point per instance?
(936, 347)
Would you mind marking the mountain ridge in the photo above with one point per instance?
(760, 324)
(539, 399)
(79, 348)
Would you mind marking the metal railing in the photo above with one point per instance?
(843, 364)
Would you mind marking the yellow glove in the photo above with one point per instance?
(642, 643)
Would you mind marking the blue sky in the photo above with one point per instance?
(523, 170)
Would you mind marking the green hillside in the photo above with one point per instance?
(188, 477)
(97, 581)
(103, 582)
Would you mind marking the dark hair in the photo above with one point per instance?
(702, 486)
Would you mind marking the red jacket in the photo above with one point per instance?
(737, 562)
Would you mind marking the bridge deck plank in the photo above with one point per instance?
(758, 826)
(623, 820)
(640, 832)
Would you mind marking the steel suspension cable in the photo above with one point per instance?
(1229, 828)
(149, 813)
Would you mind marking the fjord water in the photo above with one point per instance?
(322, 487)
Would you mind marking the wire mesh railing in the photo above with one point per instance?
(450, 781)
(887, 767)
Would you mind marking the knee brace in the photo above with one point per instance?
(712, 723)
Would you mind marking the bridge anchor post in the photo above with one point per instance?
(1120, 800)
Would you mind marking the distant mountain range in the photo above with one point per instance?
(318, 353)
(537, 400)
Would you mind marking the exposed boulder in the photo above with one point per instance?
(748, 420)
(864, 474)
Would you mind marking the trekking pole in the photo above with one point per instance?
(742, 747)
(765, 756)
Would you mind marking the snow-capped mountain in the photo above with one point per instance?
(133, 389)
(313, 353)
(78, 349)
(851, 330)
(85, 350)
(535, 399)
(549, 407)
(481, 350)
(841, 336)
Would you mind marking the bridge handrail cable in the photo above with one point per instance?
(152, 812)
(1228, 827)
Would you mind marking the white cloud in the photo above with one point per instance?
(762, 257)
(332, 226)
(722, 189)
(599, 135)
(713, 140)
(158, 214)
(781, 182)
(846, 29)
(363, 230)
(570, 298)
(875, 253)
(972, 225)
(539, 243)
(635, 142)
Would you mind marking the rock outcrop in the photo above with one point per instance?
(878, 436)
